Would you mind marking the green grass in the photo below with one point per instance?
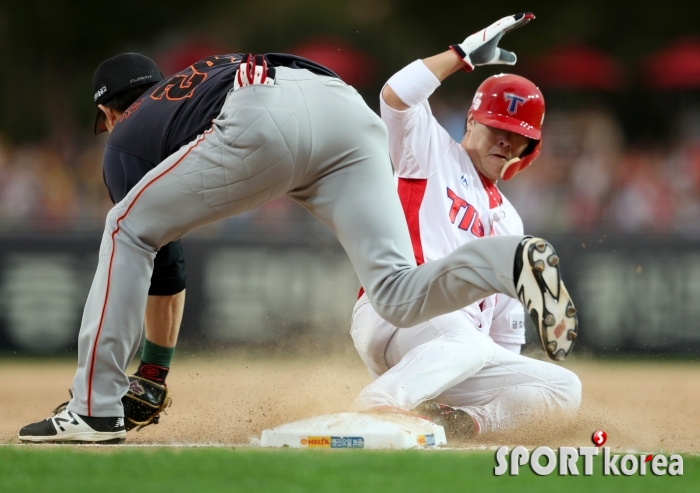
(127, 470)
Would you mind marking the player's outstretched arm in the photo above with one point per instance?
(481, 48)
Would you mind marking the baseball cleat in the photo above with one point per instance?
(542, 293)
(458, 425)
(69, 427)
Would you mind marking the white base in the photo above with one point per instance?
(356, 430)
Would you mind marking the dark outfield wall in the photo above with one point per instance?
(633, 294)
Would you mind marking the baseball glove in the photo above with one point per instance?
(143, 403)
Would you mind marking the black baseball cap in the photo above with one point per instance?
(118, 73)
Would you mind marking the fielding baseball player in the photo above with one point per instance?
(117, 83)
(261, 127)
(468, 360)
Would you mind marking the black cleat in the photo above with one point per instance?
(69, 427)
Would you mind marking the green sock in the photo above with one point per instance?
(157, 355)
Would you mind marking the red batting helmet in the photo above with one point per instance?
(512, 103)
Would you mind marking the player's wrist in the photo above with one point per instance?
(458, 50)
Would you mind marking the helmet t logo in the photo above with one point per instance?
(515, 100)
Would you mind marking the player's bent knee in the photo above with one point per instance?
(403, 315)
(473, 348)
(569, 386)
(111, 219)
(393, 318)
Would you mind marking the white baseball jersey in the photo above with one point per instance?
(447, 204)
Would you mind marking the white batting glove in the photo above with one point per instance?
(253, 69)
(481, 48)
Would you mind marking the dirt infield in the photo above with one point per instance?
(230, 398)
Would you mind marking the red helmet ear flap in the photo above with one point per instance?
(516, 165)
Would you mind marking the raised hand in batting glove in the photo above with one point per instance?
(481, 48)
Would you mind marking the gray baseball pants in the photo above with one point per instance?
(314, 139)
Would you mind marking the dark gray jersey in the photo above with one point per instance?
(175, 112)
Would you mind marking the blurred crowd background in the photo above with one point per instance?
(621, 146)
(617, 186)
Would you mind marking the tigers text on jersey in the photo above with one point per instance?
(445, 200)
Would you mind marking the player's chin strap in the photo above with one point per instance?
(517, 164)
(253, 70)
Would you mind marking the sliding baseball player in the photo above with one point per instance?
(462, 369)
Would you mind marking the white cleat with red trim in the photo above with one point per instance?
(69, 427)
(542, 293)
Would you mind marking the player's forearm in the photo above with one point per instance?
(416, 86)
(410, 86)
(163, 318)
(444, 64)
